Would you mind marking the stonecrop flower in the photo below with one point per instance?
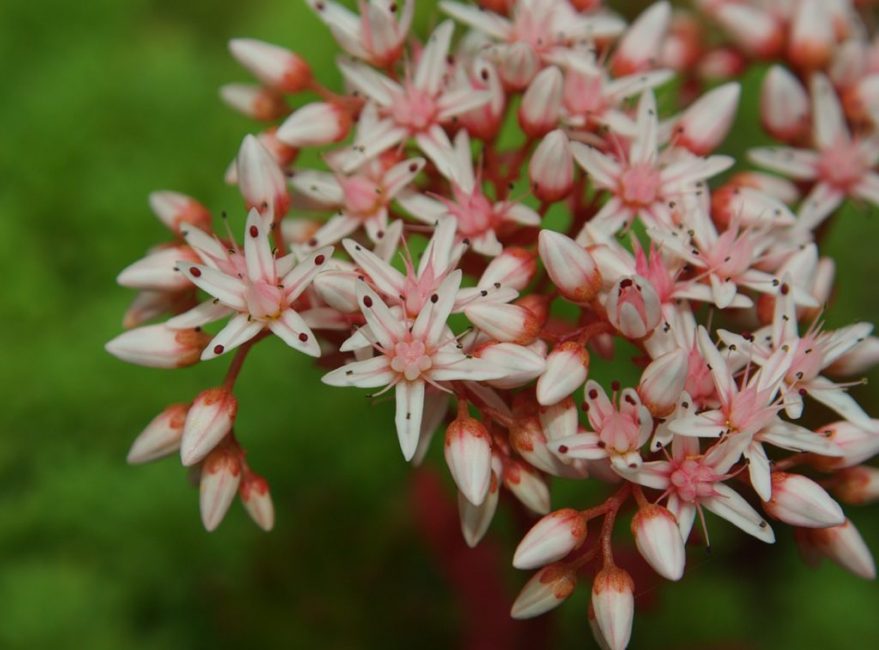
(497, 219)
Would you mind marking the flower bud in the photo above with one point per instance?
(338, 288)
(148, 305)
(857, 485)
(529, 441)
(746, 206)
(158, 270)
(521, 364)
(857, 444)
(566, 369)
(517, 66)
(550, 539)
(475, 519)
(157, 346)
(844, 545)
(255, 102)
(569, 266)
(784, 105)
(551, 168)
(811, 37)
(160, 437)
(527, 485)
(514, 267)
(274, 66)
(314, 125)
(858, 360)
(659, 541)
(177, 210)
(257, 500)
(638, 50)
(468, 455)
(705, 124)
(261, 180)
(546, 589)
(633, 307)
(721, 63)
(861, 99)
(559, 420)
(800, 501)
(504, 322)
(220, 476)
(542, 102)
(663, 381)
(613, 602)
(209, 420)
(485, 122)
(754, 29)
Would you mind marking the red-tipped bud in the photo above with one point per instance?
(157, 346)
(811, 40)
(570, 266)
(514, 268)
(659, 541)
(633, 307)
(257, 500)
(784, 105)
(485, 122)
(551, 169)
(315, 125)
(550, 539)
(158, 270)
(857, 485)
(529, 441)
(209, 420)
(566, 369)
(844, 545)
(274, 66)
(683, 45)
(857, 444)
(468, 455)
(161, 436)
(261, 180)
(559, 420)
(721, 63)
(663, 381)
(256, 102)
(639, 48)
(527, 485)
(613, 602)
(861, 100)
(505, 322)
(148, 305)
(220, 476)
(754, 29)
(518, 65)
(800, 501)
(475, 519)
(541, 103)
(177, 210)
(547, 589)
(521, 364)
(705, 124)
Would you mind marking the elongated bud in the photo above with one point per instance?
(862, 99)
(505, 322)
(475, 519)
(857, 444)
(784, 105)
(527, 485)
(273, 65)
(659, 541)
(529, 441)
(256, 102)
(811, 37)
(315, 125)
(613, 602)
(521, 364)
(177, 210)
(157, 271)
(754, 29)
(633, 307)
(148, 305)
(517, 66)
(157, 346)
(542, 102)
(639, 48)
(857, 485)
(844, 545)
(338, 289)
(706, 123)
(566, 369)
(220, 476)
(257, 500)
(547, 589)
(663, 381)
(485, 122)
(468, 455)
(550, 539)
(261, 180)
(515, 268)
(209, 420)
(559, 420)
(282, 153)
(161, 436)
(570, 266)
(551, 169)
(800, 501)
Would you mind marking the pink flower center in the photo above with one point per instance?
(415, 109)
(842, 165)
(692, 480)
(264, 301)
(731, 255)
(619, 433)
(640, 185)
(411, 359)
(475, 213)
(363, 197)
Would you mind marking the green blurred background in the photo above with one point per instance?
(106, 100)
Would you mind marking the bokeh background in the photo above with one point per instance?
(103, 101)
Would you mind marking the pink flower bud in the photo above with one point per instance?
(518, 65)
(527, 485)
(209, 420)
(148, 305)
(550, 539)
(663, 381)
(800, 501)
(220, 476)
(570, 266)
(177, 210)
(857, 485)
(542, 102)
(255, 102)
(861, 99)
(475, 519)
(633, 307)
(315, 125)
(784, 105)
(559, 420)
(705, 124)
(273, 65)
(639, 48)
(613, 602)
(546, 589)
(566, 369)
(338, 288)
(468, 455)
(754, 29)
(811, 37)
(529, 441)
(844, 545)
(659, 541)
(158, 270)
(257, 500)
(505, 322)
(161, 436)
(157, 346)
(514, 267)
(521, 364)
(551, 169)
(485, 122)
(721, 63)
(857, 444)
(260, 180)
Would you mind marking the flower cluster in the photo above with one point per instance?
(419, 260)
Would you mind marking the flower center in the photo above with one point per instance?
(692, 481)
(264, 301)
(415, 109)
(619, 433)
(411, 359)
(474, 213)
(363, 197)
(639, 185)
(842, 165)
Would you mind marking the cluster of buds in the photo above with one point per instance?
(418, 259)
